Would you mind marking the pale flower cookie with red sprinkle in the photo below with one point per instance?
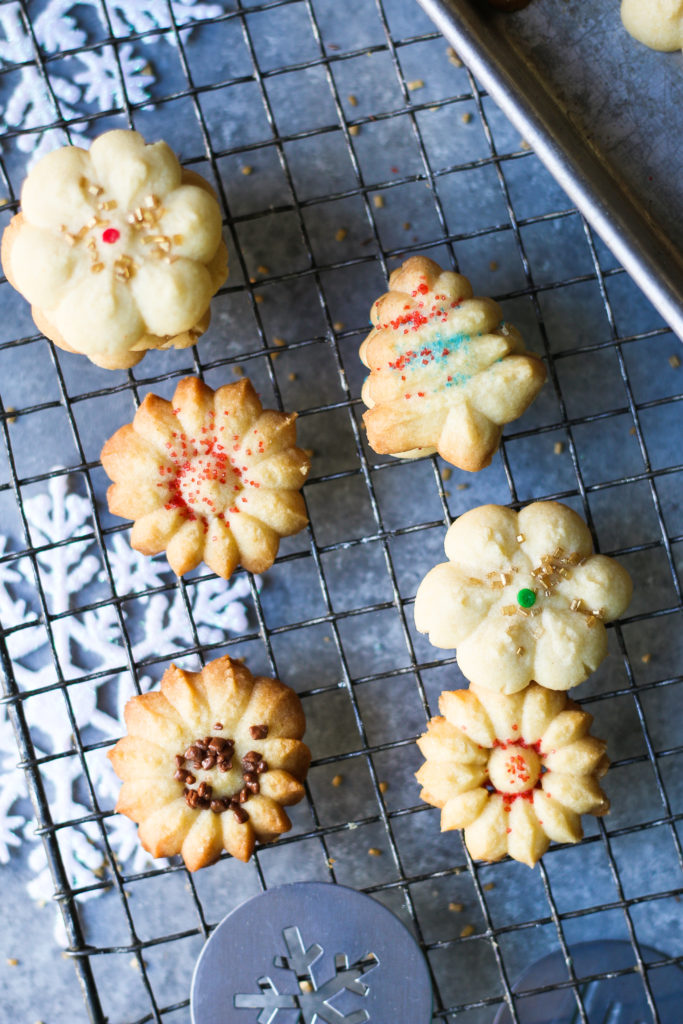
(209, 762)
(446, 371)
(209, 476)
(514, 772)
(118, 249)
(522, 597)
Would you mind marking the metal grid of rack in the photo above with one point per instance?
(379, 130)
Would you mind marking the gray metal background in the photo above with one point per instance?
(268, 85)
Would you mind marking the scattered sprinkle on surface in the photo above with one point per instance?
(354, 129)
(466, 931)
(379, 202)
(341, 234)
(417, 83)
(337, 780)
(646, 658)
(247, 169)
(279, 342)
(632, 431)
(305, 985)
(461, 487)
(674, 361)
(331, 862)
(11, 419)
(338, 325)
(489, 886)
(374, 852)
(12, 961)
(453, 57)
(558, 447)
(353, 100)
(466, 117)
(262, 270)
(447, 493)
(523, 144)
(291, 376)
(238, 371)
(493, 265)
(407, 226)
(4, 202)
(447, 473)
(258, 298)
(455, 908)
(383, 787)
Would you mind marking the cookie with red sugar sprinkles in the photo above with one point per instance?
(209, 476)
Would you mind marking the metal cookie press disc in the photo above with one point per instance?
(617, 1000)
(311, 953)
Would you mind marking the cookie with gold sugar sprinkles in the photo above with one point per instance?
(117, 248)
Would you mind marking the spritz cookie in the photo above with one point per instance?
(446, 371)
(514, 772)
(209, 476)
(117, 248)
(657, 23)
(522, 597)
(209, 761)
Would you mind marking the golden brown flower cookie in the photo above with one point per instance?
(446, 371)
(514, 772)
(210, 761)
(208, 476)
(118, 249)
(522, 596)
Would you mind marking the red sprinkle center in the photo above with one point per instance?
(111, 235)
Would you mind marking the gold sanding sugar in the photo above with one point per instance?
(338, 325)
(416, 83)
(378, 201)
(453, 57)
(291, 376)
(466, 931)
(353, 100)
(674, 361)
(354, 129)
(646, 659)
(279, 342)
(466, 118)
(337, 780)
(374, 852)
(455, 908)
(383, 787)
(341, 234)
(558, 447)
(247, 169)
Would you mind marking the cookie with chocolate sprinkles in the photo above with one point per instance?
(209, 762)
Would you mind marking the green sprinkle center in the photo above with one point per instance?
(526, 598)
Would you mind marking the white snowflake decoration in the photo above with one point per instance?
(31, 105)
(86, 642)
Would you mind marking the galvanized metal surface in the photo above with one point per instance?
(604, 113)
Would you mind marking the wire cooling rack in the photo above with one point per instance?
(342, 138)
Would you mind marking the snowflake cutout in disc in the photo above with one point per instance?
(314, 999)
(85, 642)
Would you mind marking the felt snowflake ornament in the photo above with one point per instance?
(209, 761)
(209, 476)
(118, 249)
(657, 23)
(514, 772)
(446, 372)
(522, 597)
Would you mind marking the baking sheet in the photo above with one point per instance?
(603, 112)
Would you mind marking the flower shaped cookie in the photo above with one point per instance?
(117, 249)
(513, 771)
(446, 372)
(522, 597)
(657, 23)
(209, 476)
(209, 762)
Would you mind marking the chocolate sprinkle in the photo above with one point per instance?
(258, 732)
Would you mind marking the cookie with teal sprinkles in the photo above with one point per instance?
(447, 372)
